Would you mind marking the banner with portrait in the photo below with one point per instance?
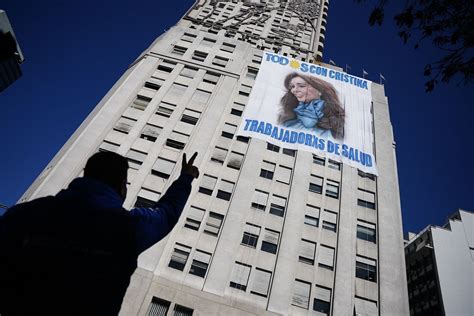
(298, 105)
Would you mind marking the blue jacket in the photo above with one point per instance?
(74, 253)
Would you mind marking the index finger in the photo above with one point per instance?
(191, 161)
(184, 163)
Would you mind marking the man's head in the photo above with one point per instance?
(109, 168)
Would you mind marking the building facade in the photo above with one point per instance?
(10, 54)
(440, 268)
(259, 235)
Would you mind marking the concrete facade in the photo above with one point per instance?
(440, 268)
(292, 252)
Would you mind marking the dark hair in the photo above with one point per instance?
(107, 167)
(334, 114)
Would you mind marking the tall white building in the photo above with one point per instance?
(440, 268)
(267, 230)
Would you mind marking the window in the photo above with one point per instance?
(207, 184)
(144, 202)
(318, 160)
(334, 164)
(124, 125)
(178, 50)
(200, 263)
(199, 56)
(190, 117)
(235, 160)
(135, 158)
(268, 170)
(261, 282)
(245, 90)
(208, 42)
(240, 276)
(177, 140)
(366, 199)
(151, 84)
(225, 190)
(188, 72)
(182, 311)
(272, 147)
(243, 139)
(211, 77)
(366, 231)
(329, 220)
(250, 237)
(289, 152)
(141, 102)
(213, 224)
(179, 257)
(332, 189)
(278, 205)
(229, 130)
(237, 109)
(188, 37)
(166, 66)
(163, 168)
(366, 269)
(301, 292)
(251, 73)
(270, 241)
(226, 47)
(194, 217)
(326, 257)
(150, 132)
(283, 174)
(259, 200)
(219, 154)
(312, 215)
(220, 61)
(366, 175)
(322, 300)
(109, 146)
(316, 184)
(307, 251)
(158, 307)
(165, 109)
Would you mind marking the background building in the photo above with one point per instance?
(267, 229)
(10, 54)
(440, 268)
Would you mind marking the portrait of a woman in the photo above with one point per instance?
(313, 104)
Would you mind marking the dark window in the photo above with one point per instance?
(223, 195)
(366, 271)
(272, 147)
(178, 50)
(267, 174)
(315, 188)
(175, 144)
(205, 190)
(213, 224)
(243, 139)
(318, 160)
(249, 240)
(182, 311)
(289, 152)
(321, 306)
(366, 233)
(366, 175)
(158, 307)
(179, 257)
(198, 268)
(366, 204)
(236, 112)
(277, 210)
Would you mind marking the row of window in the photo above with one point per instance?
(199, 264)
(241, 274)
(160, 307)
(208, 42)
(195, 216)
(302, 294)
(269, 240)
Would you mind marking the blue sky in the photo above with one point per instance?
(75, 51)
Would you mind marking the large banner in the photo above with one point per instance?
(304, 106)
